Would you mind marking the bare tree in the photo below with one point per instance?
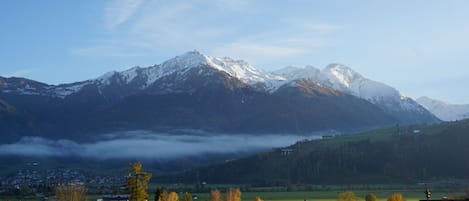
(71, 192)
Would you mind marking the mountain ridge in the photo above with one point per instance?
(197, 91)
(443, 110)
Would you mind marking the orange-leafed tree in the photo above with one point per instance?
(161, 195)
(396, 197)
(233, 194)
(173, 196)
(215, 195)
(348, 196)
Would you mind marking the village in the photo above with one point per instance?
(40, 184)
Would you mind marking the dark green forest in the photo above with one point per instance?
(400, 154)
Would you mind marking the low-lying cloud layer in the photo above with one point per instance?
(147, 145)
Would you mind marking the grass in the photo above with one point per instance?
(332, 195)
(322, 195)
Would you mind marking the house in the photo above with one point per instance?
(286, 151)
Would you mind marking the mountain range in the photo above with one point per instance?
(445, 111)
(200, 92)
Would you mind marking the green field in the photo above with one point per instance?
(330, 195)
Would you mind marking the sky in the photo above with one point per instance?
(420, 47)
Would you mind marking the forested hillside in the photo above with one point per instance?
(397, 154)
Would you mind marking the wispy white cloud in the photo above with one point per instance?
(119, 11)
(177, 26)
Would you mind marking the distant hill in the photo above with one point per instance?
(397, 154)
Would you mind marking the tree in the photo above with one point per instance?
(187, 196)
(71, 192)
(215, 195)
(173, 196)
(233, 194)
(162, 195)
(257, 198)
(396, 197)
(137, 183)
(347, 196)
(371, 197)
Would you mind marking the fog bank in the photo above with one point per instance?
(148, 145)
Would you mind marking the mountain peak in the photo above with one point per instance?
(342, 73)
(186, 60)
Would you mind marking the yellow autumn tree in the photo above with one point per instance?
(371, 197)
(257, 198)
(173, 196)
(215, 195)
(137, 183)
(396, 197)
(187, 196)
(233, 194)
(71, 192)
(162, 195)
(348, 196)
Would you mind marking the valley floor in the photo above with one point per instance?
(415, 193)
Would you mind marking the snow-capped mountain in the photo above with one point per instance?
(344, 79)
(443, 110)
(197, 91)
(195, 60)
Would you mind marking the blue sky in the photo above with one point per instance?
(418, 47)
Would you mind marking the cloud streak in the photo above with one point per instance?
(146, 145)
(119, 11)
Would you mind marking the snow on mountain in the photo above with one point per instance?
(443, 110)
(64, 90)
(294, 73)
(344, 79)
(335, 76)
(194, 59)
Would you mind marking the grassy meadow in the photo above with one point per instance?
(412, 194)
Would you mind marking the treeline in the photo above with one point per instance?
(350, 196)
